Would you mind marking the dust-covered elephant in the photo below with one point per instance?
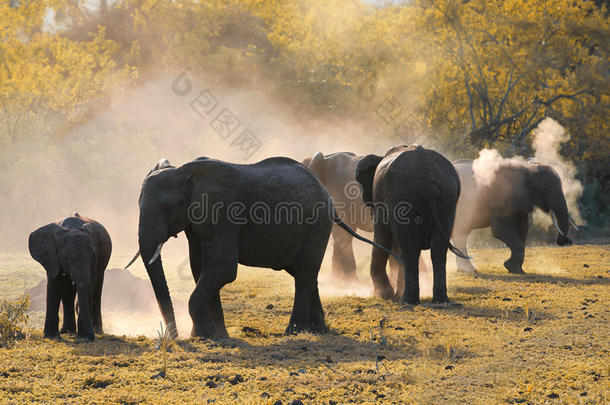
(413, 192)
(502, 199)
(337, 171)
(274, 214)
(74, 252)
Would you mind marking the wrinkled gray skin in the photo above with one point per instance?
(337, 171)
(217, 244)
(74, 252)
(504, 204)
(430, 185)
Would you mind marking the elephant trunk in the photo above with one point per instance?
(149, 249)
(85, 328)
(561, 219)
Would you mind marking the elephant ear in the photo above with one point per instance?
(316, 164)
(394, 148)
(365, 173)
(92, 230)
(210, 181)
(43, 247)
(163, 163)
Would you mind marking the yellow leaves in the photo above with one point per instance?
(54, 72)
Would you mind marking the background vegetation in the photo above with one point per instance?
(468, 74)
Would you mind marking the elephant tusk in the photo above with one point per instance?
(156, 255)
(132, 260)
(555, 223)
(573, 224)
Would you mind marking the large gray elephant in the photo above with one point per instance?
(503, 199)
(274, 214)
(337, 171)
(414, 192)
(74, 252)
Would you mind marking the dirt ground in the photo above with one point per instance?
(539, 338)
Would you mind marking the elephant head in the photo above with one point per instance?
(69, 250)
(365, 174)
(546, 191)
(171, 200)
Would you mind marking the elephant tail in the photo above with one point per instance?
(436, 218)
(349, 230)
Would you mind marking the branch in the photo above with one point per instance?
(509, 88)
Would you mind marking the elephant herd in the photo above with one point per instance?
(279, 214)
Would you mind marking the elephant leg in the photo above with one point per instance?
(397, 275)
(522, 227)
(217, 315)
(317, 322)
(303, 294)
(51, 322)
(379, 259)
(410, 256)
(438, 254)
(67, 302)
(307, 312)
(460, 241)
(506, 230)
(205, 308)
(96, 305)
(343, 261)
(194, 254)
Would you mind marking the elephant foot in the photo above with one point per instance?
(208, 333)
(385, 293)
(444, 302)
(513, 268)
(467, 270)
(53, 336)
(408, 300)
(441, 299)
(345, 276)
(293, 329)
(317, 328)
(66, 329)
(84, 338)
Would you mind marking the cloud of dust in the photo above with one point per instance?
(488, 162)
(548, 138)
(97, 169)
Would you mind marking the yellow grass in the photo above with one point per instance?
(481, 352)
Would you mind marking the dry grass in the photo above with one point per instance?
(539, 338)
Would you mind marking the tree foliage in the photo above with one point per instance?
(474, 73)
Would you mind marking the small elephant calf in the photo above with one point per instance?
(74, 252)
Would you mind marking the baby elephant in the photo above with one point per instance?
(74, 252)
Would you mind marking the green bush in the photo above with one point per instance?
(13, 319)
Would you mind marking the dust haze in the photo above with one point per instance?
(97, 169)
(548, 137)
